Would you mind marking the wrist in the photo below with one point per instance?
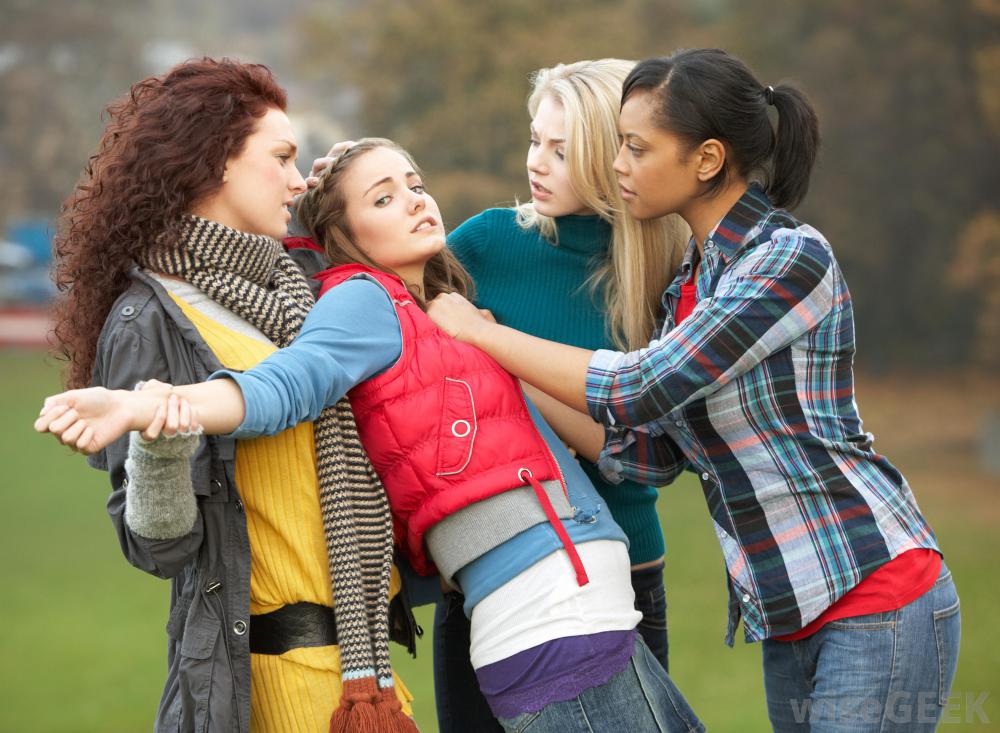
(141, 407)
(483, 334)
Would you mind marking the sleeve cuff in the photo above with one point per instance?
(245, 430)
(601, 373)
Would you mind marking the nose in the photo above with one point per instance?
(619, 166)
(297, 183)
(536, 159)
(416, 201)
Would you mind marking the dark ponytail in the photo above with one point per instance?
(795, 147)
(707, 93)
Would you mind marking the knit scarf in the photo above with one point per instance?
(254, 277)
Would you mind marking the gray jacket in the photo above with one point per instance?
(208, 659)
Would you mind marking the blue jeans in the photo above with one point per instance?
(881, 672)
(460, 705)
(651, 602)
(640, 698)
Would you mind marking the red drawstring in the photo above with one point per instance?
(557, 525)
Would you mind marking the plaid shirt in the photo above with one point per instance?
(755, 392)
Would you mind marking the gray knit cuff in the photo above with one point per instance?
(159, 499)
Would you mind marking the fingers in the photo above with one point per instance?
(73, 433)
(59, 425)
(48, 414)
(85, 443)
(64, 399)
(174, 415)
(320, 164)
(152, 431)
(338, 148)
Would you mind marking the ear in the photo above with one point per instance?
(711, 159)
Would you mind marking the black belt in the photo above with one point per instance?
(293, 626)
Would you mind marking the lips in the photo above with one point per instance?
(425, 224)
(539, 191)
(627, 193)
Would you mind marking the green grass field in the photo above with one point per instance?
(84, 643)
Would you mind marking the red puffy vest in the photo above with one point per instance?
(444, 427)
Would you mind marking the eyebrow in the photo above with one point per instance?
(556, 140)
(289, 143)
(387, 179)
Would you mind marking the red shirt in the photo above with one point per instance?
(898, 582)
(688, 299)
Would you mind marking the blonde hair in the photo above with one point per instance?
(323, 212)
(643, 255)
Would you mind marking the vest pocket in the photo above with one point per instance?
(456, 428)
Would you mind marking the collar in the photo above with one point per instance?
(585, 233)
(742, 223)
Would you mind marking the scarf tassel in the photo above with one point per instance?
(364, 708)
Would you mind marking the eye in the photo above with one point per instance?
(532, 142)
(284, 157)
(636, 152)
(383, 200)
(418, 188)
(561, 154)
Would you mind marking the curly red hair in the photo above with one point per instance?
(164, 149)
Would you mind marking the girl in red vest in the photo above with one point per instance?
(480, 488)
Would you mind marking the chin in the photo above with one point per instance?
(549, 208)
(638, 211)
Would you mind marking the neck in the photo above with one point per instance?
(705, 214)
(413, 278)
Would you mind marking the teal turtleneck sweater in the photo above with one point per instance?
(540, 289)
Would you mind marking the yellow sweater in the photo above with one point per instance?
(276, 475)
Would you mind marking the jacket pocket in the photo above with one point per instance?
(196, 669)
(456, 428)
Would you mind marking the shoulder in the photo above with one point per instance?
(478, 230)
(788, 248)
(136, 311)
(360, 296)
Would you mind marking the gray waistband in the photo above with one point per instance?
(460, 538)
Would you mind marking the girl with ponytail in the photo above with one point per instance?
(749, 383)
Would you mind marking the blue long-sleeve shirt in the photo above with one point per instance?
(352, 334)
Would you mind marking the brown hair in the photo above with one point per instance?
(323, 212)
(164, 149)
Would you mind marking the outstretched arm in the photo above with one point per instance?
(351, 334)
(769, 298)
(88, 420)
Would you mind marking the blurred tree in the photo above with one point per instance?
(906, 93)
(903, 92)
(61, 61)
(449, 79)
(975, 272)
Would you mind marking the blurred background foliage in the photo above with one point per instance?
(906, 90)
(906, 190)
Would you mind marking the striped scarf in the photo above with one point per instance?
(254, 277)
